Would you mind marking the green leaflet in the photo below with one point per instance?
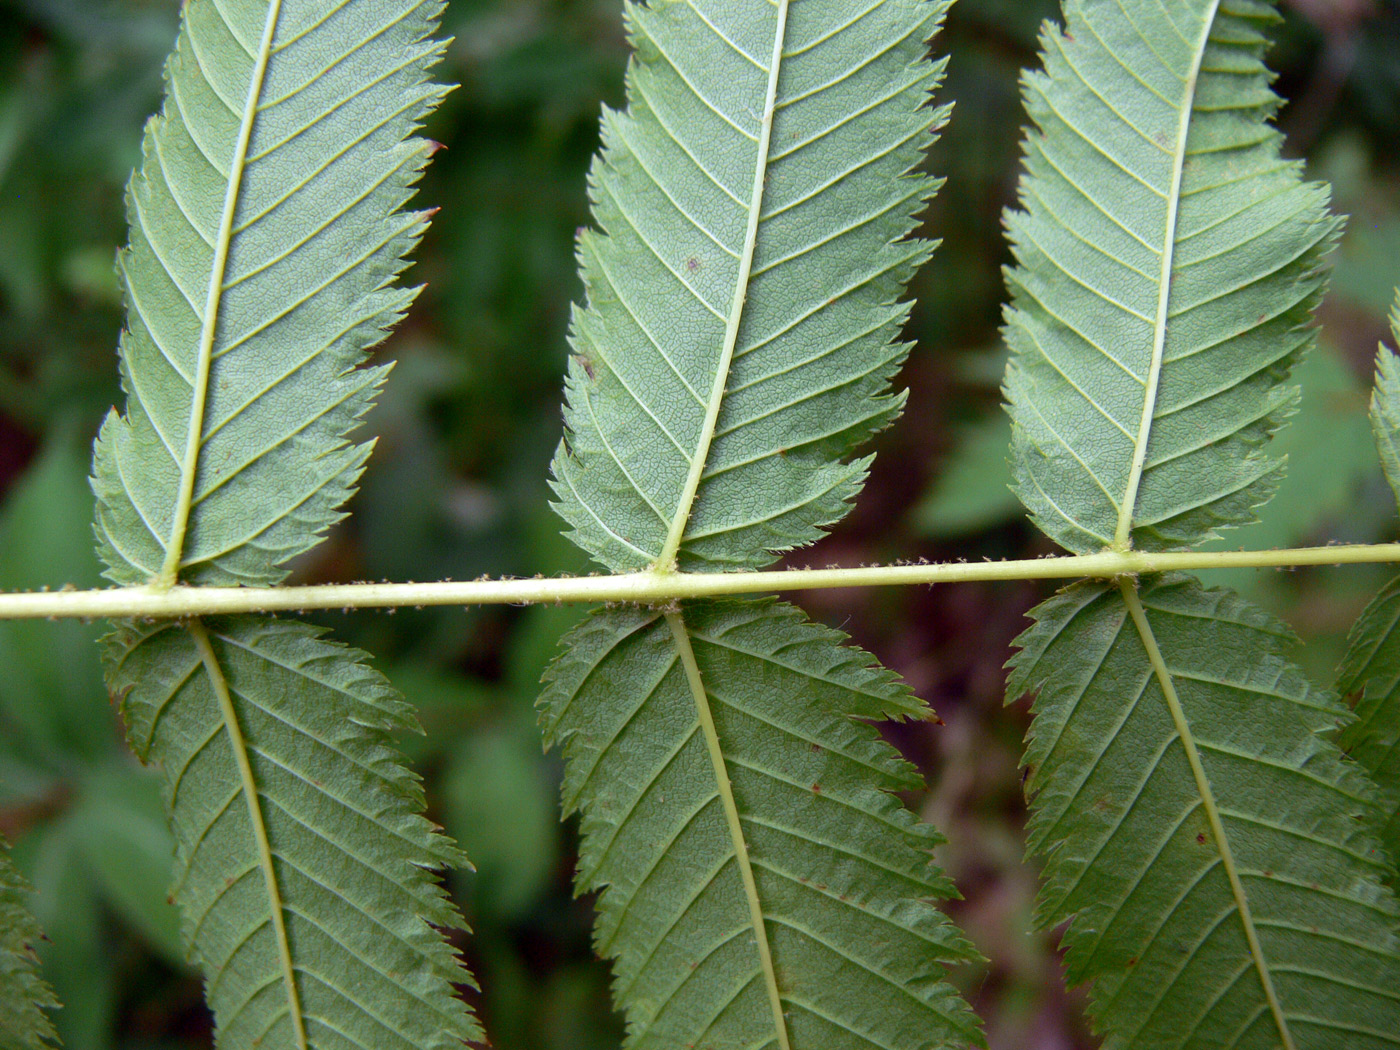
(760, 886)
(266, 234)
(744, 836)
(1371, 669)
(1202, 834)
(304, 863)
(1331, 459)
(1166, 259)
(972, 490)
(742, 319)
(24, 997)
(1385, 407)
(1200, 829)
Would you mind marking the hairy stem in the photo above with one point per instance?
(651, 587)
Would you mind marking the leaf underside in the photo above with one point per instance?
(24, 996)
(267, 236)
(1371, 669)
(1385, 407)
(326, 822)
(1209, 846)
(760, 886)
(1166, 261)
(1161, 903)
(758, 389)
(1371, 672)
(841, 870)
(314, 238)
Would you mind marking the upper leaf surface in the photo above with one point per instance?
(304, 860)
(24, 997)
(760, 886)
(1200, 829)
(1166, 259)
(266, 236)
(742, 307)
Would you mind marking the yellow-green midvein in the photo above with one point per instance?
(258, 829)
(1127, 510)
(725, 791)
(209, 323)
(1210, 807)
(666, 560)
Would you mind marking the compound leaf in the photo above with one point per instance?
(266, 236)
(741, 325)
(1199, 828)
(760, 886)
(304, 862)
(1166, 262)
(24, 996)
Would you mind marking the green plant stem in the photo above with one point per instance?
(652, 588)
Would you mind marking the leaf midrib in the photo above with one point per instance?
(666, 560)
(1184, 733)
(199, 394)
(1127, 508)
(249, 789)
(681, 635)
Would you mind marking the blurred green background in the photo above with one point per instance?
(457, 489)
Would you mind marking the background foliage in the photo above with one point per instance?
(457, 488)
